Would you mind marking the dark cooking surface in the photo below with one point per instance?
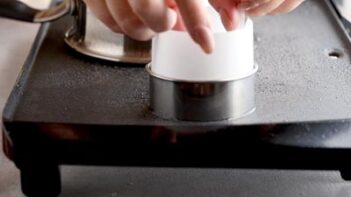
(68, 109)
(296, 82)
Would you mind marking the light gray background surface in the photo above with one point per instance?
(15, 41)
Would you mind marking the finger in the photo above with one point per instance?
(100, 10)
(287, 6)
(154, 13)
(264, 8)
(249, 4)
(215, 4)
(179, 26)
(128, 21)
(246, 5)
(228, 12)
(197, 21)
(230, 18)
(220, 4)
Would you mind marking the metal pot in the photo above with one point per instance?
(87, 35)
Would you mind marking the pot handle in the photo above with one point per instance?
(15, 9)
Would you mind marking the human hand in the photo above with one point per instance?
(142, 19)
(270, 7)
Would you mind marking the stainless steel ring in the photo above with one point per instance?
(91, 37)
(202, 101)
(88, 35)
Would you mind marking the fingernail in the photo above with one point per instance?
(203, 36)
(247, 5)
(242, 19)
(226, 20)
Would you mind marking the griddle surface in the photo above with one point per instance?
(297, 82)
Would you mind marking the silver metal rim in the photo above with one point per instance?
(240, 116)
(228, 119)
(148, 69)
(79, 47)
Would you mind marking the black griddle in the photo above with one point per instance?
(70, 109)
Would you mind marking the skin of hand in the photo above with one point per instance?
(142, 19)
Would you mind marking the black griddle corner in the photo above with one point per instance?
(66, 109)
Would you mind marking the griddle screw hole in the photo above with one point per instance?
(334, 53)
